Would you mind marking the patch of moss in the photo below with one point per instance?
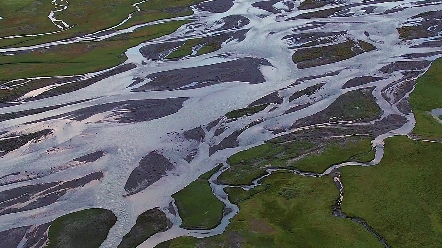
(148, 223)
(354, 150)
(307, 91)
(209, 47)
(356, 105)
(234, 114)
(87, 229)
(184, 50)
(315, 56)
(248, 165)
(207, 175)
(245, 166)
(198, 207)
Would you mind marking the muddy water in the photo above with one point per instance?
(211, 89)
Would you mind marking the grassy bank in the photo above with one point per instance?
(316, 56)
(148, 223)
(426, 97)
(31, 17)
(80, 57)
(197, 206)
(292, 212)
(250, 164)
(87, 229)
(400, 197)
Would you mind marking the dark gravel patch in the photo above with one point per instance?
(216, 6)
(12, 237)
(35, 196)
(18, 114)
(306, 92)
(267, 6)
(131, 111)
(243, 70)
(239, 35)
(228, 142)
(270, 98)
(297, 108)
(337, 11)
(312, 39)
(37, 236)
(135, 81)
(405, 66)
(404, 106)
(310, 26)
(357, 81)
(421, 55)
(312, 4)
(398, 90)
(369, 9)
(79, 84)
(91, 157)
(197, 134)
(219, 131)
(212, 124)
(11, 144)
(151, 168)
(303, 79)
(159, 51)
(233, 22)
(191, 155)
(433, 43)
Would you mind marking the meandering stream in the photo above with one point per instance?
(257, 61)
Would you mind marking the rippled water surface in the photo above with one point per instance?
(173, 110)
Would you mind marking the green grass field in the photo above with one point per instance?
(31, 17)
(292, 211)
(250, 164)
(87, 229)
(197, 206)
(148, 223)
(426, 97)
(400, 197)
(79, 58)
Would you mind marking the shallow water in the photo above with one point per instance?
(125, 144)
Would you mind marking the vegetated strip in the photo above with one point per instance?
(79, 58)
(86, 228)
(288, 211)
(425, 97)
(29, 18)
(197, 206)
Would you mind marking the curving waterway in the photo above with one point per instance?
(173, 110)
